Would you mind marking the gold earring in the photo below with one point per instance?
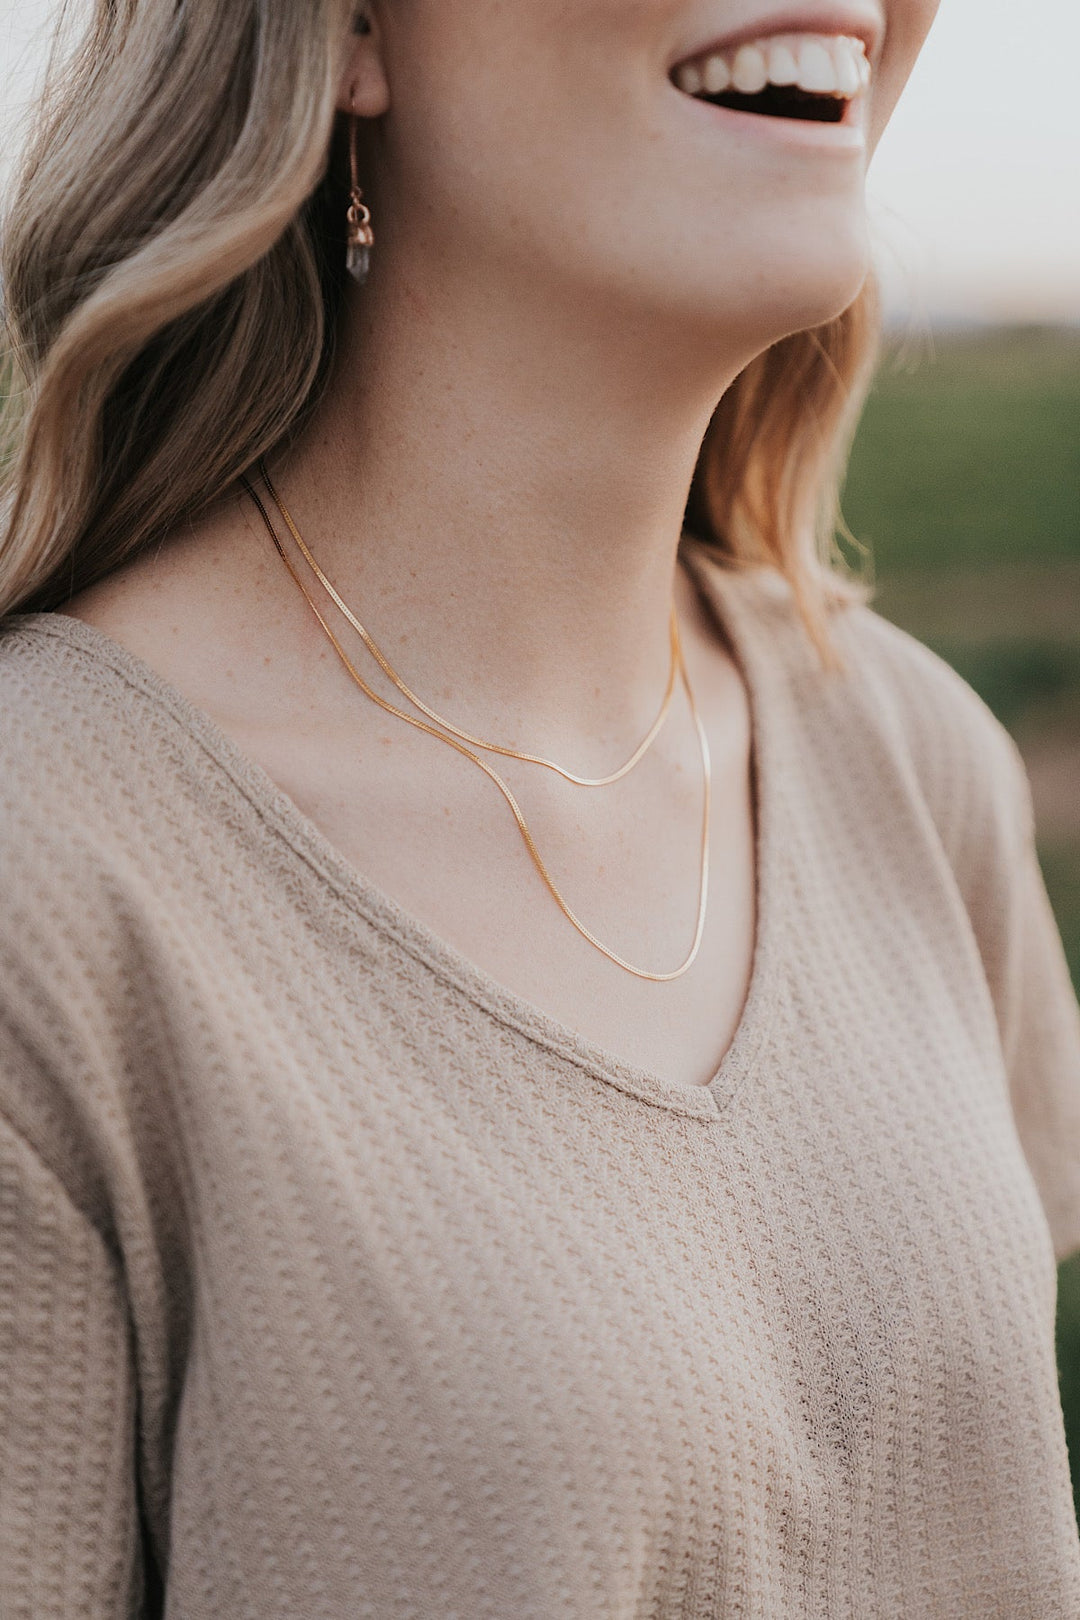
(360, 237)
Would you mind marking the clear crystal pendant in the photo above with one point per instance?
(358, 262)
(361, 239)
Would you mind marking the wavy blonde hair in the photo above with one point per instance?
(171, 264)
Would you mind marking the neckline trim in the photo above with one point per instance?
(720, 592)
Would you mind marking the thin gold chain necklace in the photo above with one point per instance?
(523, 827)
(440, 720)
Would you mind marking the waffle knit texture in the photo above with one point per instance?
(340, 1282)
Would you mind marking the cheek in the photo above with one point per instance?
(502, 124)
(543, 140)
(908, 23)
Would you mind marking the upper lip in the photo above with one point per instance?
(864, 22)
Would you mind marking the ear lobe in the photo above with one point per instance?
(363, 88)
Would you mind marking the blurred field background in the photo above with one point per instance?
(965, 484)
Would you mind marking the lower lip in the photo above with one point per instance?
(848, 136)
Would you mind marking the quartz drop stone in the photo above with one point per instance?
(358, 261)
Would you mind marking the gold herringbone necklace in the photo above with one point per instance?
(462, 748)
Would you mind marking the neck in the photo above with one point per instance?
(499, 497)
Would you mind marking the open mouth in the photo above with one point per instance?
(806, 76)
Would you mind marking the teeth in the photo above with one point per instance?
(689, 78)
(848, 82)
(717, 75)
(817, 70)
(821, 64)
(783, 68)
(749, 73)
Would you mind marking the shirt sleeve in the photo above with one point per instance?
(1037, 1011)
(70, 1545)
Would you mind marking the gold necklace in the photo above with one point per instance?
(440, 720)
(504, 789)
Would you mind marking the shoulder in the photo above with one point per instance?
(86, 723)
(101, 785)
(72, 729)
(894, 720)
(80, 777)
(57, 676)
(58, 709)
(126, 814)
(967, 765)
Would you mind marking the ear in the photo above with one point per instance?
(363, 88)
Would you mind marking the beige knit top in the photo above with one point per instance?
(339, 1282)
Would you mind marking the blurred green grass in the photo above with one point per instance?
(965, 484)
(969, 454)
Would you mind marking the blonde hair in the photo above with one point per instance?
(172, 268)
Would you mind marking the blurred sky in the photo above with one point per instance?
(975, 189)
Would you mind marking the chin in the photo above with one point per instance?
(802, 282)
(810, 303)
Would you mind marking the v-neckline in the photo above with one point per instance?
(719, 590)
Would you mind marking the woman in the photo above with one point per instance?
(651, 1216)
